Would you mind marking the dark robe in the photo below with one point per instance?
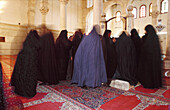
(110, 54)
(62, 47)
(24, 77)
(2, 97)
(89, 66)
(137, 42)
(47, 60)
(70, 66)
(126, 57)
(75, 43)
(149, 72)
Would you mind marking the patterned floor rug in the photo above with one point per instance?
(91, 97)
(45, 99)
(110, 98)
(65, 96)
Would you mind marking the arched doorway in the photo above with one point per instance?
(115, 18)
(117, 23)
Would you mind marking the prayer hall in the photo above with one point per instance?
(84, 55)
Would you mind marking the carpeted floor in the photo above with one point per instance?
(45, 99)
(106, 97)
(65, 96)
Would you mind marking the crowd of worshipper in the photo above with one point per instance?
(89, 61)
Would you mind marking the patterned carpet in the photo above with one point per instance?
(92, 98)
(45, 99)
(70, 97)
(137, 98)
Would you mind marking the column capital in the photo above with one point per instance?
(44, 8)
(63, 1)
(155, 14)
(130, 9)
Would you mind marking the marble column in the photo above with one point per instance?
(123, 14)
(97, 12)
(130, 18)
(155, 12)
(102, 23)
(167, 59)
(79, 20)
(44, 10)
(31, 14)
(63, 13)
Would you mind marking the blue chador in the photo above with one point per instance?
(89, 65)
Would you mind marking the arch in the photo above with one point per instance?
(134, 12)
(164, 6)
(142, 11)
(150, 9)
(122, 18)
(108, 4)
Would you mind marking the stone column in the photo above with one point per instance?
(31, 14)
(123, 14)
(130, 19)
(63, 13)
(167, 59)
(102, 23)
(79, 20)
(155, 12)
(44, 10)
(97, 11)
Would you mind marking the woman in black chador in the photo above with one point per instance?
(149, 72)
(24, 77)
(126, 57)
(62, 46)
(75, 42)
(137, 42)
(75, 39)
(109, 55)
(47, 60)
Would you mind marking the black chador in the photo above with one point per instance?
(137, 42)
(109, 54)
(24, 77)
(75, 44)
(126, 57)
(63, 45)
(47, 60)
(76, 41)
(149, 72)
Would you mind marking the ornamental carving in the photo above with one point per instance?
(64, 1)
(44, 8)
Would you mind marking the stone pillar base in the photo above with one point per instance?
(119, 84)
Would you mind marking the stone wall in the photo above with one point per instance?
(14, 21)
(14, 37)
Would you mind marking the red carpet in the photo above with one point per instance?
(65, 96)
(12, 102)
(45, 99)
